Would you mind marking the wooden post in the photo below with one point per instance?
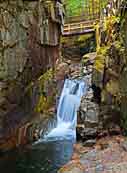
(98, 39)
(81, 27)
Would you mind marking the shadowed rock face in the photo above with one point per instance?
(74, 47)
(29, 46)
(24, 39)
(110, 74)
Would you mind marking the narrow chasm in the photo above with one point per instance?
(63, 75)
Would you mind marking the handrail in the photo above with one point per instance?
(79, 27)
(83, 23)
(75, 19)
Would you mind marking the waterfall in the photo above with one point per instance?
(68, 106)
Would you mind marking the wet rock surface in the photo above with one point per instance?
(106, 156)
(89, 109)
(94, 118)
(99, 152)
(88, 114)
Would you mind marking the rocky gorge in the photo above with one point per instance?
(102, 114)
(35, 61)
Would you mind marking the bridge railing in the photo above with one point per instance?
(81, 27)
(93, 9)
(86, 23)
(73, 19)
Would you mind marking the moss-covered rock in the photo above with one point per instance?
(109, 72)
(74, 47)
(99, 66)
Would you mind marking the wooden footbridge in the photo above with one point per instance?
(81, 27)
(91, 12)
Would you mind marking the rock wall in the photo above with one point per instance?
(75, 46)
(29, 46)
(88, 115)
(110, 71)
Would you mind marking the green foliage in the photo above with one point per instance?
(83, 38)
(83, 7)
(111, 21)
(76, 40)
(73, 7)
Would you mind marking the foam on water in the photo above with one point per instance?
(68, 106)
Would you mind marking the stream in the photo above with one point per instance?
(55, 149)
(45, 157)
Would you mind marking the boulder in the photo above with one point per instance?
(89, 143)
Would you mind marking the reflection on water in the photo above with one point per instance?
(55, 149)
(46, 157)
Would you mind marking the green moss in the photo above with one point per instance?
(83, 38)
(100, 63)
(100, 59)
(77, 40)
(103, 50)
(46, 76)
(45, 101)
(85, 59)
(113, 87)
(64, 40)
(44, 104)
(43, 85)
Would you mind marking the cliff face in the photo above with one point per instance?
(110, 71)
(29, 46)
(123, 76)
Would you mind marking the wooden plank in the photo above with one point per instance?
(78, 33)
(78, 28)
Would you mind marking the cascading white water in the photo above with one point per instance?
(68, 106)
